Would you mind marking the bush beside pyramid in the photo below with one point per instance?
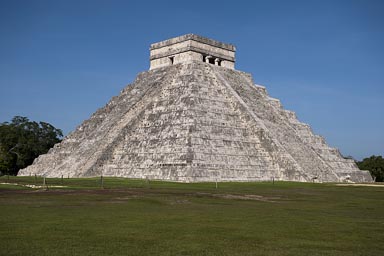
(192, 118)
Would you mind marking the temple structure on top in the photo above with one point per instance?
(191, 47)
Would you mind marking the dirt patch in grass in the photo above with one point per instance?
(135, 193)
(360, 185)
(241, 197)
(32, 185)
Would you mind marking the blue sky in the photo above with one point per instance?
(62, 60)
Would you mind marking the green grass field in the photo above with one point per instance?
(133, 217)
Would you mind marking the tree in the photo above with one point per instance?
(375, 165)
(21, 141)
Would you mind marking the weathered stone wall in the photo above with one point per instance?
(176, 59)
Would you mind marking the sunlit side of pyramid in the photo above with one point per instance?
(193, 117)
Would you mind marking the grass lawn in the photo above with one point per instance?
(133, 217)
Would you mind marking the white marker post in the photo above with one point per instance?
(45, 184)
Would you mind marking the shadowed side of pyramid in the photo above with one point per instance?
(192, 117)
(315, 158)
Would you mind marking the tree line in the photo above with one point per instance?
(22, 140)
(375, 165)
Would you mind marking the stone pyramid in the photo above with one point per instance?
(192, 117)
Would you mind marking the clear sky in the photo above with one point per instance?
(62, 60)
